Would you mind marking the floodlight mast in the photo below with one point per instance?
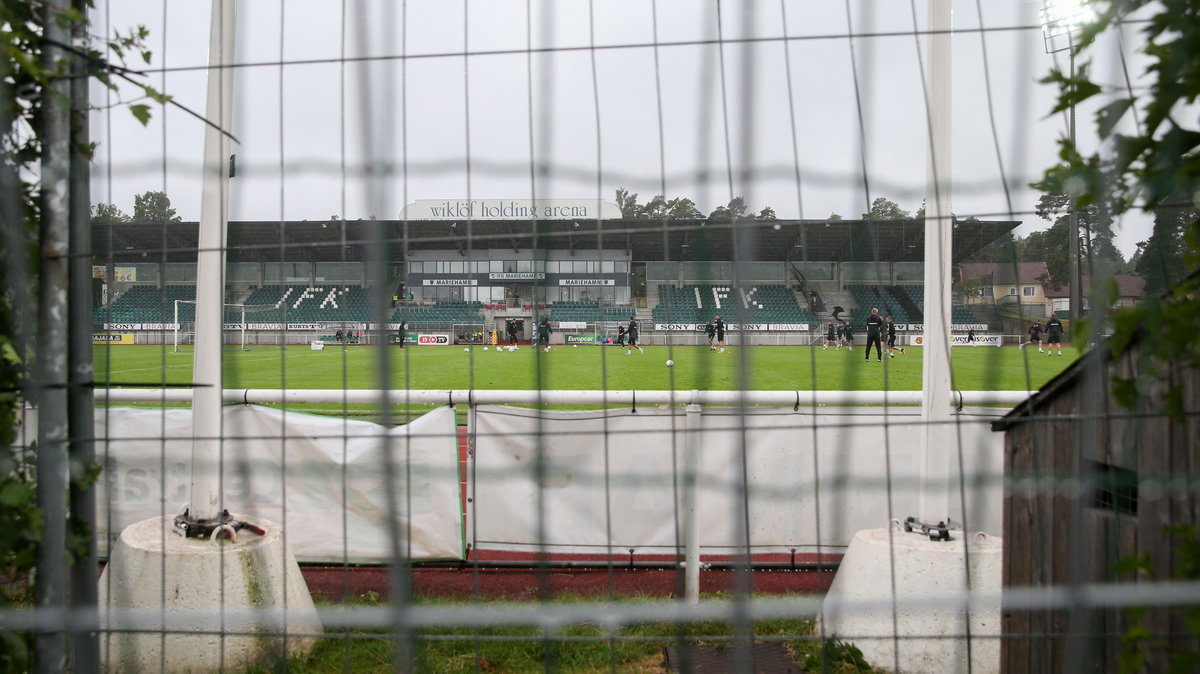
(1061, 19)
(936, 430)
(204, 504)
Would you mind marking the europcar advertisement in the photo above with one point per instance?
(581, 339)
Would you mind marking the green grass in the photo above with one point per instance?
(572, 648)
(584, 367)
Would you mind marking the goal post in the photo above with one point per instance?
(234, 316)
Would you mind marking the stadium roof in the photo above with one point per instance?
(353, 240)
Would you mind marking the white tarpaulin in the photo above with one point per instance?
(334, 469)
(612, 480)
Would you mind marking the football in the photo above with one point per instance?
(670, 363)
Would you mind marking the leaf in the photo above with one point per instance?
(1109, 115)
(142, 112)
(146, 55)
(15, 494)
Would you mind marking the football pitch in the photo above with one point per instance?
(583, 368)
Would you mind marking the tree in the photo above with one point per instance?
(628, 203)
(681, 208)
(1006, 248)
(733, 211)
(1164, 258)
(108, 213)
(834, 216)
(767, 213)
(885, 209)
(154, 207)
(1098, 255)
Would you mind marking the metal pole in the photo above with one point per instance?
(81, 411)
(936, 432)
(691, 506)
(51, 583)
(1073, 253)
(612, 398)
(205, 500)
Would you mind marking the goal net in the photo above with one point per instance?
(237, 319)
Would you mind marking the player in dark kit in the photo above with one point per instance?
(720, 326)
(403, 333)
(891, 338)
(544, 331)
(631, 334)
(621, 335)
(830, 336)
(1054, 330)
(874, 324)
(1035, 335)
(711, 331)
(848, 335)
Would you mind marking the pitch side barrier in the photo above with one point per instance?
(802, 439)
(631, 398)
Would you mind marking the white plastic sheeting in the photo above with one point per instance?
(330, 471)
(592, 481)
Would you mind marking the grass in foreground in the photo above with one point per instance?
(573, 648)
(584, 367)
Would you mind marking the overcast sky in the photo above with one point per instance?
(450, 105)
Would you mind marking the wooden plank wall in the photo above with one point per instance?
(1053, 536)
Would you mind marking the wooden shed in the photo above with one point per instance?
(1090, 483)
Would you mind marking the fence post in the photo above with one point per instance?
(691, 463)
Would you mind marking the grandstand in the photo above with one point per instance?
(698, 303)
(673, 276)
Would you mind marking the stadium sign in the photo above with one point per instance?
(430, 340)
(568, 325)
(449, 282)
(123, 338)
(586, 282)
(122, 326)
(980, 340)
(581, 339)
(958, 327)
(279, 326)
(733, 327)
(517, 276)
(510, 209)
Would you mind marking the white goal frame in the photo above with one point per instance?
(176, 329)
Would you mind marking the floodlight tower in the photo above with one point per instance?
(1061, 20)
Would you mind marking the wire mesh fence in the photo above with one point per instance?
(531, 336)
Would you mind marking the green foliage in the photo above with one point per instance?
(885, 209)
(27, 82)
(108, 213)
(153, 207)
(682, 208)
(1138, 641)
(1098, 255)
(832, 655)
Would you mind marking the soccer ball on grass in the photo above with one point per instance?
(670, 363)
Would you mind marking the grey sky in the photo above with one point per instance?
(462, 126)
